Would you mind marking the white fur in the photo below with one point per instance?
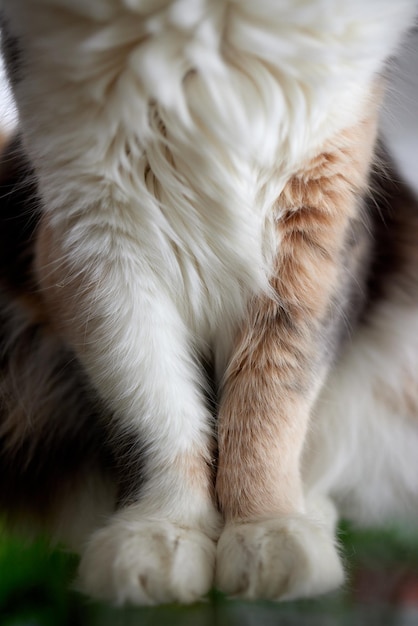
(244, 93)
(141, 561)
(362, 448)
(163, 133)
(277, 559)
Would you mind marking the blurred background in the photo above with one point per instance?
(36, 583)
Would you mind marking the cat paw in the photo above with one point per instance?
(277, 559)
(147, 563)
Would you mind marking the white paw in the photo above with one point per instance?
(147, 562)
(277, 559)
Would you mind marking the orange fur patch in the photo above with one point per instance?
(278, 367)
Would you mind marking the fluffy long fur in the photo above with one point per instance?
(199, 168)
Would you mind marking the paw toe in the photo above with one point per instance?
(277, 559)
(147, 563)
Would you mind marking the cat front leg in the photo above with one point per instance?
(159, 546)
(274, 545)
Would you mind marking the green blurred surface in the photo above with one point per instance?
(382, 589)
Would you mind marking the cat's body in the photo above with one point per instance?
(201, 172)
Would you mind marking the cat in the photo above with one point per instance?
(208, 290)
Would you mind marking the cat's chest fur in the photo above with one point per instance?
(165, 134)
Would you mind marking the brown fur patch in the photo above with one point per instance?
(19, 213)
(394, 208)
(279, 362)
(51, 439)
(50, 432)
(394, 273)
(4, 138)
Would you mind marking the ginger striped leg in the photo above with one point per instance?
(270, 547)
